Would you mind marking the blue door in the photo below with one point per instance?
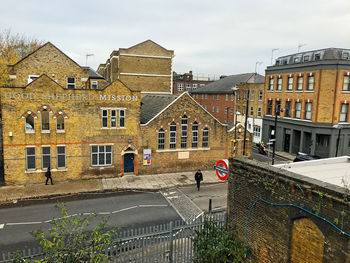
(128, 163)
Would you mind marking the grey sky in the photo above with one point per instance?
(208, 37)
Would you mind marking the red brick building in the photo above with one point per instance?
(188, 82)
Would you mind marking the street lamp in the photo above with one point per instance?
(278, 110)
(339, 127)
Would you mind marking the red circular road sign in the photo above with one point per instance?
(222, 164)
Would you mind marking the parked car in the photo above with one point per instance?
(305, 157)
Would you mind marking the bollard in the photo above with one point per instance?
(210, 205)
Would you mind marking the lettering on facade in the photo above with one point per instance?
(65, 96)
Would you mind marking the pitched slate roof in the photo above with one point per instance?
(153, 104)
(93, 74)
(225, 85)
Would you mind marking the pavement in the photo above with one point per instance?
(154, 182)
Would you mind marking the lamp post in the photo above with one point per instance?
(277, 112)
(246, 122)
(339, 127)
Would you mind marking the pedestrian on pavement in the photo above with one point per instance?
(198, 177)
(48, 175)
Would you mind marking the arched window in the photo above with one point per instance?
(205, 142)
(184, 131)
(60, 123)
(45, 121)
(161, 137)
(29, 123)
(172, 137)
(195, 135)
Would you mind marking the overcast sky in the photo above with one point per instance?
(208, 37)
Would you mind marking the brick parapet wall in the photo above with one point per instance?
(270, 227)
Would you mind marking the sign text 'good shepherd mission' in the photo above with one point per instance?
(68, 96)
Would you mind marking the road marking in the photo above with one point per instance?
(172, 197)
(23, 223)
(153, 205)
(124, 209)
(104, 213)
(86, 214)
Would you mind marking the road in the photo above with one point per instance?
(265, 159)
(126, 210)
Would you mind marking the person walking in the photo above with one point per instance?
(198, 177)
(48, 175)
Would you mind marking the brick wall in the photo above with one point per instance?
(285, 233)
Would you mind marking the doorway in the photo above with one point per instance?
(286, 146)
(129, 163)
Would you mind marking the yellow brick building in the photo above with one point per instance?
(146, 65)
(58, 114)
(313, 91)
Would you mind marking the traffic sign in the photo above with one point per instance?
(221, 169)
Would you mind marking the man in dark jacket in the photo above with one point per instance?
(48, 175)
(198, 177)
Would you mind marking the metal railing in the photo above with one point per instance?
(165, 243)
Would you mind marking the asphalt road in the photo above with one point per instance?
(126, 210)
(266, 159)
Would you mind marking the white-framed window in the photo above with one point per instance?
(346, 86)
(172, 136)
(310, 83)
(94, 84)
(252, 95)
(70, 82)
(121, 118)
(60, 123)
(271, 84)
(232, 97)
(290, 83)
(300, 83)
(308, 107)
(238, 94)
(205, 96)
(217, 97)
(256, 131)
(194, 86)
(113, 118)
(161, 139)
(288, 109)
(101, 155)
(184, 131)
(188, 87)
(245, 93)
(45, 121)
(217, 109)
(61, 156)
(205, 140)
(45, 157)
(260, 95)
(344, 112)
(30, 158)
(279, 84)
(202, 96)
(259, 111)
(32, 77)
(251, 111)
(213, 109)
(213, 97)
(239, 109)
(297, 110)
(226, 97)
(201, 85)
(205, 107)
(231, 111)
(104, 118)
(226, 110)
(180, 86)
(244, 110)
(29, 124)
(195, 135)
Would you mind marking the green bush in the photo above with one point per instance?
(215, 244)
